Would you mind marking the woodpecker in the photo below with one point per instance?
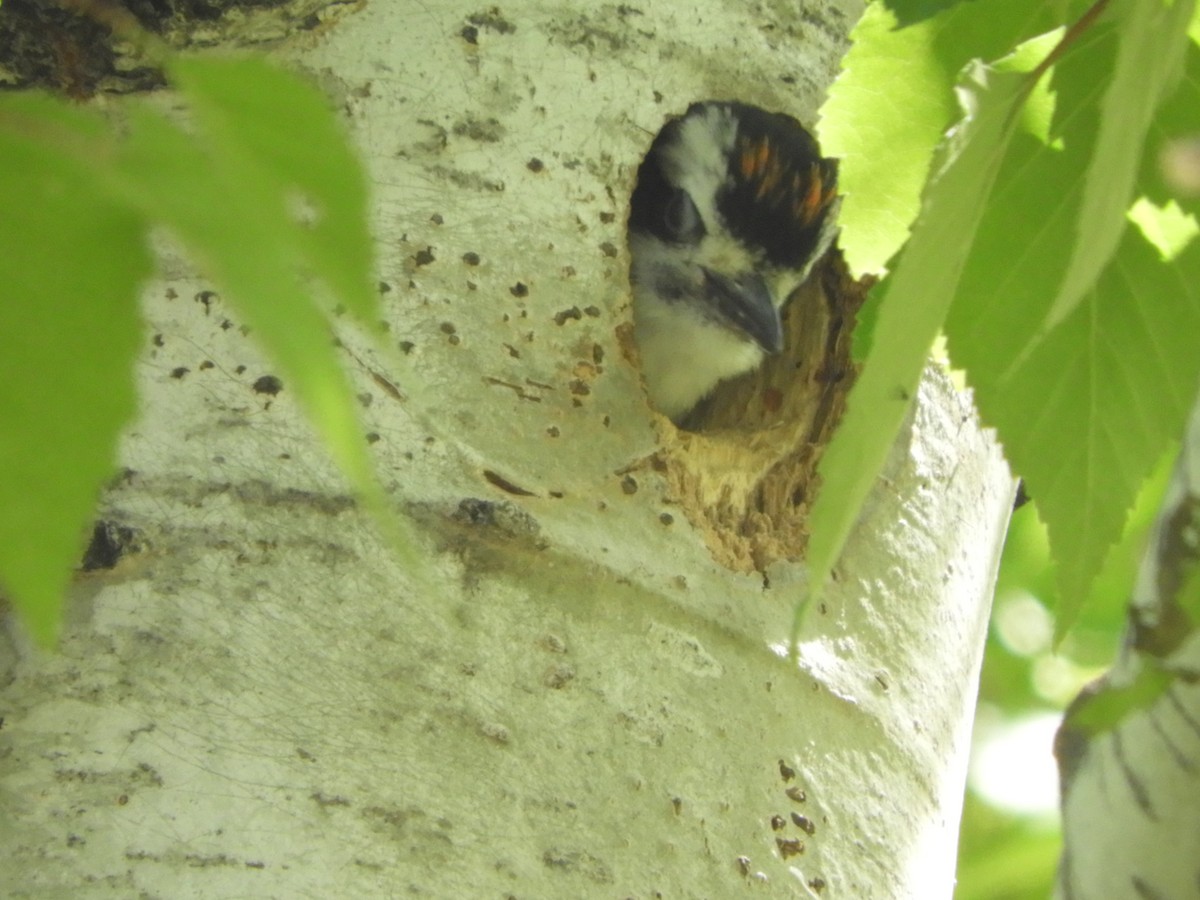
(733, 207)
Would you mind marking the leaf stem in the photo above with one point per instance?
(1086, 21)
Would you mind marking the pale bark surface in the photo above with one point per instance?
(568, 697)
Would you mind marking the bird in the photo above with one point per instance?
(733, 206)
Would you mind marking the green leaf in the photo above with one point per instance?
(1027, 568)
(1151, 42)
(1088, 414)
(267, 123)
(269, 199)
(71, 263)
(229, 192)
(1085, 413)
(925, 280)
(893, 102)
(909, 12)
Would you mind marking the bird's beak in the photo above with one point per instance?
(745, 301)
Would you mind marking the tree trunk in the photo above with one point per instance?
(568, 695)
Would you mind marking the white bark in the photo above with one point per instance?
(569, 697)
(1131, 793)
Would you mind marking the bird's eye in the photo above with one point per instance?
(681, 218)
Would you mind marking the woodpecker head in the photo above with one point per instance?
(733, 206)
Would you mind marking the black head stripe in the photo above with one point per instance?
(776, 196)
(780, 189)
(653, 193)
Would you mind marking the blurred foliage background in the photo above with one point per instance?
(1010, 840)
